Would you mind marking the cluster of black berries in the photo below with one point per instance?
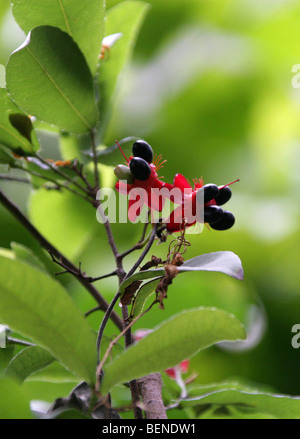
(214, 215)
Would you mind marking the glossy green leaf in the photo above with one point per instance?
(224, 262)
(16, 130)
(14, 403)
(142, 295)
(38, 307)
(125, 18)
(83, 21)
(56, 85)
(245, 403)
(28, 361)
(175, 340)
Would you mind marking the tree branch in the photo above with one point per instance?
(150, 389)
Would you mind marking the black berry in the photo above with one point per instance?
(143, 150)
(223, 196)
(210, 192)
(140, 168)
(212, 214)
(225, 223)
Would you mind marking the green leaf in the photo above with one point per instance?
(56, 85)
(5, 158)
(224, 262)
(38, 307)
(15, 404)
(25, 254)
(142, 295)
(55, 372)
(175, 340)
(16, 130)
(83, 21)
(28, 361)
(245, 403)
(125, 18)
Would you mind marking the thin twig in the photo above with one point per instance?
(117, 295)
(94, 153)
(90, 311)
(145, 251)
(140, 244)
(57, 184)
(62, 174)
(78, 169)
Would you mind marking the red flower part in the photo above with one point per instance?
(183, 367)
(140, 190)
(187, 213)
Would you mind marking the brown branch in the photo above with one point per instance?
(150, 389)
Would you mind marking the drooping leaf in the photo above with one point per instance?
(142, 295)
(16, 131)
(16, 403)
(125, 18)
(243, 401)
(83, 21)
(175, 340)
(224, 262)
(36, 306)
(28, 361)
(56, 85)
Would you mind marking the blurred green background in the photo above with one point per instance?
(210, 88)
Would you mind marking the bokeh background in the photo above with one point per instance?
(210, 88)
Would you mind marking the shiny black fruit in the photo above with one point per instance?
(140, 168)
(143, 150)
(226, 222)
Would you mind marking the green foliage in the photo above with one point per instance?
(234, 401)
(16, 402)
(209, 86)
(125, 19)
(16, 131)
(28, 361)
(63, 85)
(176, 339)
(36, 306)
